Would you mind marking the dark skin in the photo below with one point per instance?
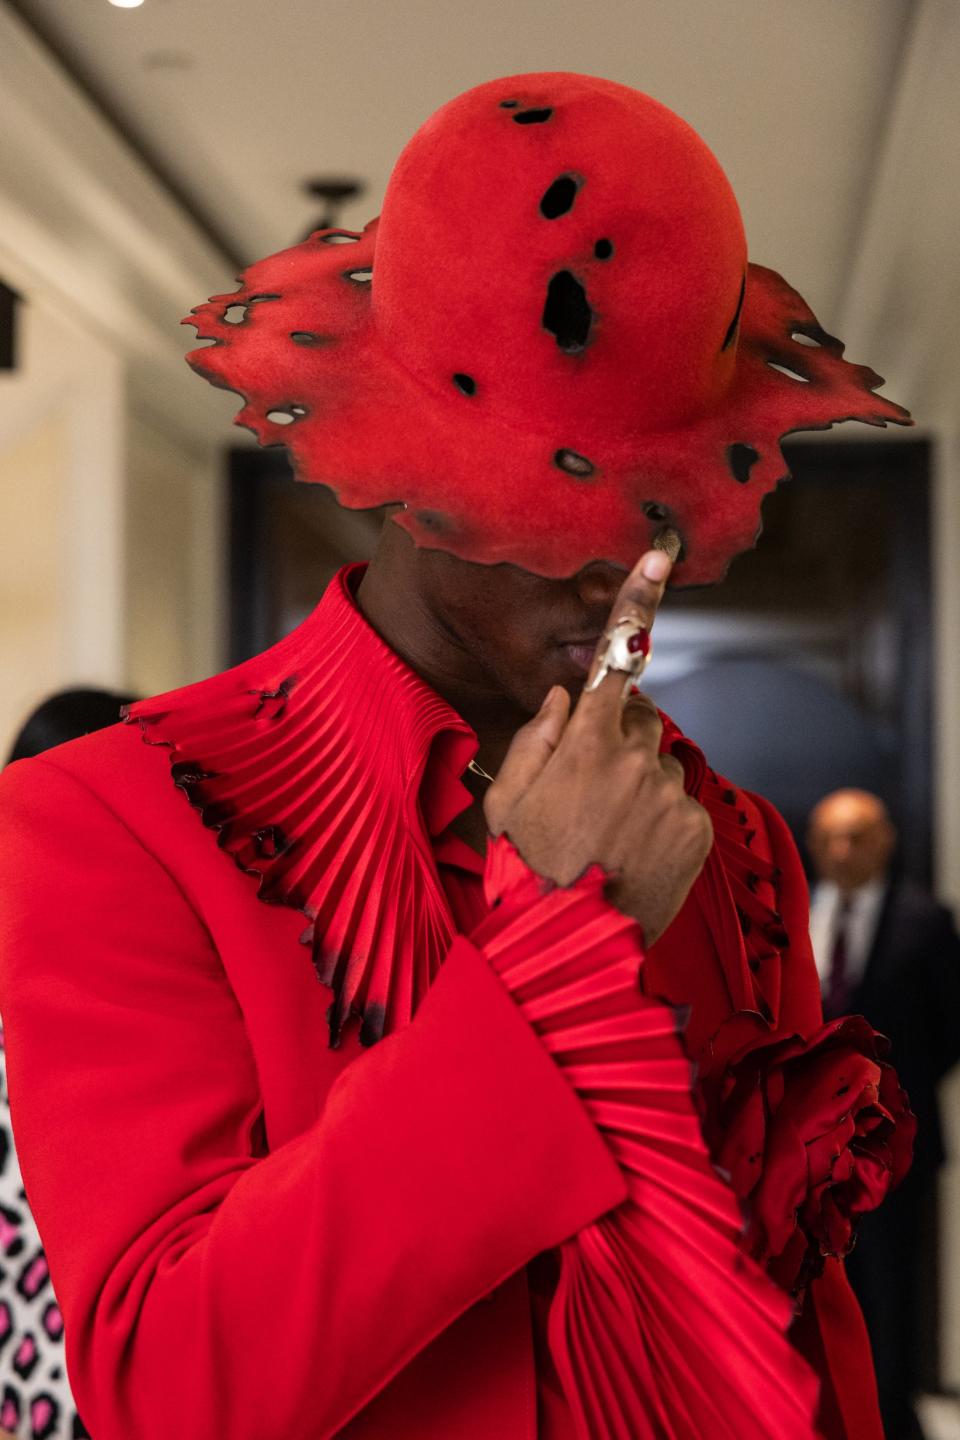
(580, 779)
(491, 639)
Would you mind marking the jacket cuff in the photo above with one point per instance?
(571, 963)
(556, 948)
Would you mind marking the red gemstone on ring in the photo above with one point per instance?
(639, 642)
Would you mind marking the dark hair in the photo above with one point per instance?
(66, 716)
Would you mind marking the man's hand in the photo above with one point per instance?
(592, 787)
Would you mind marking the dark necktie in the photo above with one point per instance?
(838, 990)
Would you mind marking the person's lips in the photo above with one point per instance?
(581, 652)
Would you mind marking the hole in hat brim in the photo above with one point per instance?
(789, 371)
(286, 414)
(741, 459)
(655, 511)
(573, 463)
(814, 337)
(236, 312)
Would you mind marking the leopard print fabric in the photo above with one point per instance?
(35, 1399)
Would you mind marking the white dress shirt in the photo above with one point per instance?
(861, 925)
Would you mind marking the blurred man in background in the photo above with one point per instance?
(887, 950)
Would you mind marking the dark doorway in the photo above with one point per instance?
(287, 540)
(810, 667)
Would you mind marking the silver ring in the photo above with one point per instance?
(628, 650)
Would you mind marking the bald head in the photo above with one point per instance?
(851, 838)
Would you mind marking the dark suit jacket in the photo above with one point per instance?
(910, 991)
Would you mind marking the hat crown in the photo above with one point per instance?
(562, 247)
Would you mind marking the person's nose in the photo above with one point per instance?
(598, 584)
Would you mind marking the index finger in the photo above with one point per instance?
(638, 600)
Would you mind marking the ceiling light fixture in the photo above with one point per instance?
(126, 4)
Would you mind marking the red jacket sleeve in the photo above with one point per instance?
(191, 1266)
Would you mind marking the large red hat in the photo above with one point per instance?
(549, 346)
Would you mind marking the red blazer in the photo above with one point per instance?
(253, 1234)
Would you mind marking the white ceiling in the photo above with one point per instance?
(254, 96)
(836, 120)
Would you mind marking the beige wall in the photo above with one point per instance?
(32, 482)
(61, 442)
(107, 261)
(173, 630)
(111, 544)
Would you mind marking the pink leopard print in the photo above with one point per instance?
(35, 1399)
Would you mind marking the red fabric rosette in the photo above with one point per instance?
(813, 1133)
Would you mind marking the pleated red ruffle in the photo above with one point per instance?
(660, 1326)
(308, 761)
(311, 780)
(736, 891)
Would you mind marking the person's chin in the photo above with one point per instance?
(564, 664)
(568, 665)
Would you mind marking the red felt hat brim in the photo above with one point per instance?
(302, 348)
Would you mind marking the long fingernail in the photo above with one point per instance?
(655, 566)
